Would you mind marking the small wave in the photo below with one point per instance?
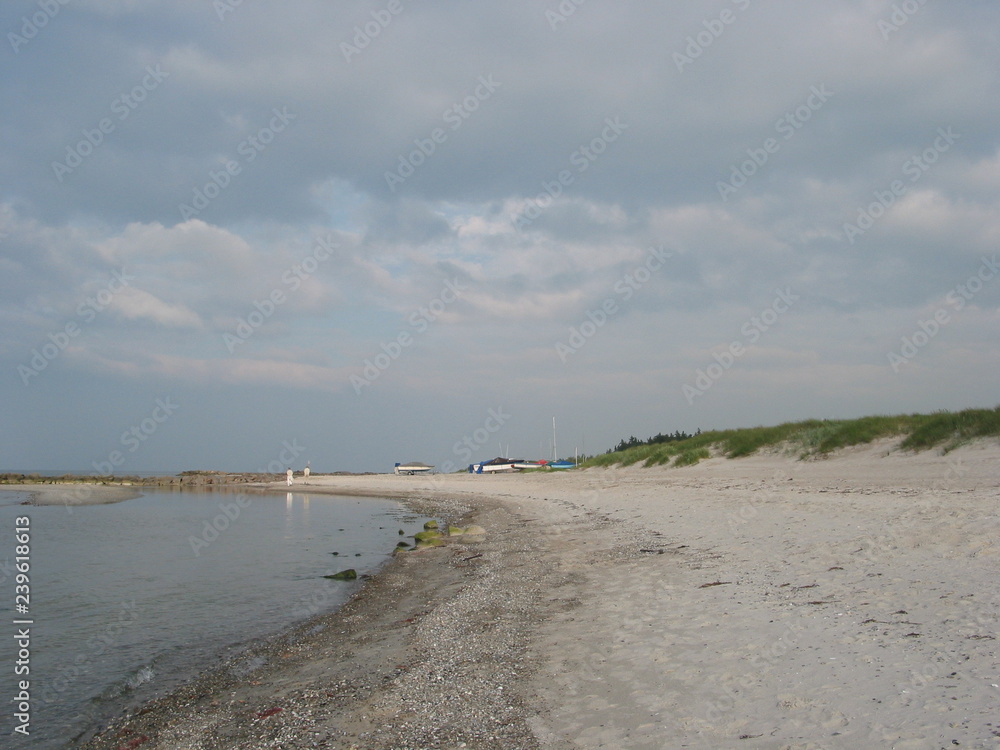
(125, 686)
(144, 675)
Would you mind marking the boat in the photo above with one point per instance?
(561, 465)
(530, 464)
(494, 466)
(505, 465)
(413, 467)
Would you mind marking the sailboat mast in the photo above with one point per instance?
(555, 451)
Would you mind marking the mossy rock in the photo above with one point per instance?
(455, 531)
(475, 531)
(423, 536)
(430, 526)
(345, 575)
(402, 545)
(431, 542)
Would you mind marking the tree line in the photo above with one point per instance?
(634, 442)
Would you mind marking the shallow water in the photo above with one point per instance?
(130, 599)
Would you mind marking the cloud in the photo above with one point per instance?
(135, 304)
(305, 226)
(233, 371)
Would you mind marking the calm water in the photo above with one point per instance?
(130, 599)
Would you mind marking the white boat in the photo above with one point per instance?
(504, 465)
(494, 466)
(530, 464)
(413, 467)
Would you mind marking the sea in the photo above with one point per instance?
(126, 601)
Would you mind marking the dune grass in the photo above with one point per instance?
(814, 437)
(953, 429)
(691, 457)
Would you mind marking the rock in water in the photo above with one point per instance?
(345, 575)
(430, 525)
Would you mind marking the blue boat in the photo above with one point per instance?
(561, 465)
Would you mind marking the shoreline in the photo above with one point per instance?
(337, 664)
(752, 603)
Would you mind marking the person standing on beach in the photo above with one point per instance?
(288, 477)
(305, 471)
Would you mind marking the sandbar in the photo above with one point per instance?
(73, 493)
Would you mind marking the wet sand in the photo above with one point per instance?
(73, 493)
(764, 602)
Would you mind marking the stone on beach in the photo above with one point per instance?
(345, 575)
(426, 536)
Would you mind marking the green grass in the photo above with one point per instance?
(833, 435)
(815, 437)
(953, 429)
(691, 457)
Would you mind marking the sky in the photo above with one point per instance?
(239, 235)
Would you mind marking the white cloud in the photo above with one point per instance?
(136, 304)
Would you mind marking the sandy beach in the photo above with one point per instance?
(764, 602)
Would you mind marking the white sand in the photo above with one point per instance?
(856, 604)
